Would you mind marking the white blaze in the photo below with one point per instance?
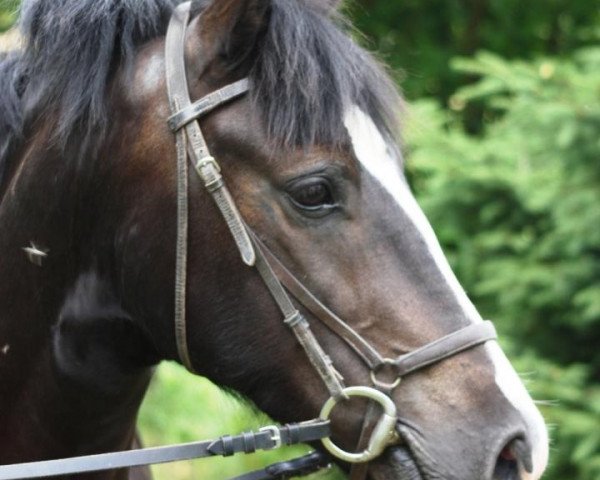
(379, 160)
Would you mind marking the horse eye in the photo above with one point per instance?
(312, 194)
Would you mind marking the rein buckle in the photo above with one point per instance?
(275, 435)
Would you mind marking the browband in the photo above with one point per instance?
(207, 104)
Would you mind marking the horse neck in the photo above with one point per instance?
(47, 411)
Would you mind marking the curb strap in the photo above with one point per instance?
(267, 438)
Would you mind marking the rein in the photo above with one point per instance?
(191, 146)
(267, 438)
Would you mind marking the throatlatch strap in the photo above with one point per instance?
(205, 164)
(172, 43)
(188, 132)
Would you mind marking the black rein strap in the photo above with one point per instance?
(298, 467)
(267, 438)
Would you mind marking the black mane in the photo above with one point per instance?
(73, 46)
(10, 105)
(307, 72)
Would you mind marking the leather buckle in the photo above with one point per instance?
(275, 435)
(208, 160)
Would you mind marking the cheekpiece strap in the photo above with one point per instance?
(299, 325)
(206, 166)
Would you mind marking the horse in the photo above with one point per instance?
(309, 149)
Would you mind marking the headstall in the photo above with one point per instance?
(191, 147)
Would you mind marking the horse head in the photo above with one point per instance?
(311, 158)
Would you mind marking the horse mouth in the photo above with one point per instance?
(407, 461)
(398, 463)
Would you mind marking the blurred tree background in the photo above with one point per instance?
(502, 137)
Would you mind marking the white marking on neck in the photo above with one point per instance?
(379, 160)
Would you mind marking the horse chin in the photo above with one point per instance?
(397, 464)
(410, 460)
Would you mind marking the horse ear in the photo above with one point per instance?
(230, 29)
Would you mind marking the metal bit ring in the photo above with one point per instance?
(384, 433)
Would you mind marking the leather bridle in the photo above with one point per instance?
(191, 146)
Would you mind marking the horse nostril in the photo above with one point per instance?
(508, 454)
(522, 451)
(516, 453)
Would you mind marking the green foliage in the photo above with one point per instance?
(518, 210)
(418, 38)
(570, 402)
(8, 10)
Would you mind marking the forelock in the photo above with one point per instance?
(309, 71)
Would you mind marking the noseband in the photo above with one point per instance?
(191, 146)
